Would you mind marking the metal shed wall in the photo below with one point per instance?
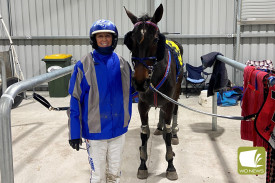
(47, 27)
(258, 45)
(258, 10)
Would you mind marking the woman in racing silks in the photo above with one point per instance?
(101, 103)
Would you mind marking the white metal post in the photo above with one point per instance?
(214, 111)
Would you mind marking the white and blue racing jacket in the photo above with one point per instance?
(101, 101)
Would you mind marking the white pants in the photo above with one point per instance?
(105, 158)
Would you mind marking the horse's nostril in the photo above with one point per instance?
(139, 86)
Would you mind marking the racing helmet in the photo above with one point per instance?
(103, 26)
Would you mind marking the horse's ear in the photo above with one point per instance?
(128, 40)
(158, 14)
(132, 17)
(161, 47)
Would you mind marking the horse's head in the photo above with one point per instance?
(147, 46)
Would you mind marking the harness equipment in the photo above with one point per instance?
(45, 103)
(141, 60)
(163, 79)
(166, 72)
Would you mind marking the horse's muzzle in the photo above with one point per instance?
(141, 86)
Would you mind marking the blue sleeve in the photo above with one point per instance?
(74, 119)
(75, 115)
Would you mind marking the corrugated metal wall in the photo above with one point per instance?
(259, 47)
(258, 9)
(47, 27)
(204, 26)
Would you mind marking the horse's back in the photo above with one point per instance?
(179, 45)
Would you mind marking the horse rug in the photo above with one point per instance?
(253, 99)
(174, 49)
(265, 121)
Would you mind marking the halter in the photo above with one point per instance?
(142, 60)
(147, 22)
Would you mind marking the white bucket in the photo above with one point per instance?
(204, 100)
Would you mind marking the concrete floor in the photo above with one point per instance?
(41, 153)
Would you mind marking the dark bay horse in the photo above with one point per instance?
(154, 64)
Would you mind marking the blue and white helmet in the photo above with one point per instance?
(103, 26)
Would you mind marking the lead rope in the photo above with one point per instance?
(206, 113)
(45, 103)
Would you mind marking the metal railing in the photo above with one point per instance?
(234, 64)
(6, 156)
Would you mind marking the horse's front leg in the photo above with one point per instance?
(171, 172)
(144, 135)
(175, 129)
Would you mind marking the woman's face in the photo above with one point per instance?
(104, 39)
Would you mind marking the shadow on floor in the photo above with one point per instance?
(212, 135)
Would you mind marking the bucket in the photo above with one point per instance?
(204, 100)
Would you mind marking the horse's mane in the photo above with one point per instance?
(144, 17)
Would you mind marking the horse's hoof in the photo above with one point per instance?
(158, 132)
(175, 141)
(142, 174)
(172, 175)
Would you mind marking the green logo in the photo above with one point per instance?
(251, 160)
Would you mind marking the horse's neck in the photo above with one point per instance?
(160, 69)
